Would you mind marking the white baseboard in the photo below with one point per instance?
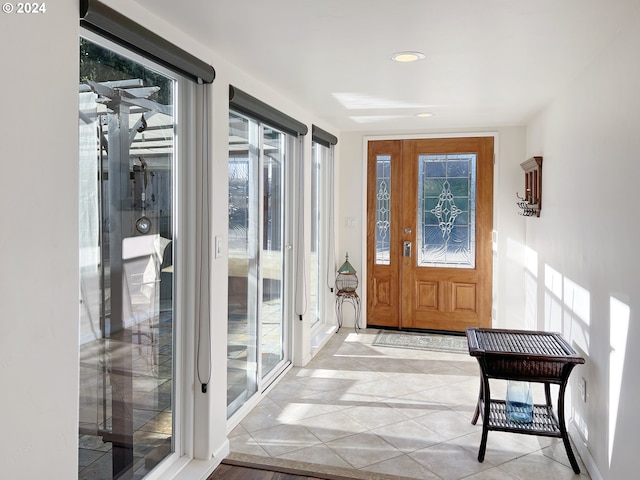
(202, 469)
(584, 452)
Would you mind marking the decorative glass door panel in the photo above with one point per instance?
(383, 209)
(429, 209)
(446, 211)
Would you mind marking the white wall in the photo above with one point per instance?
(586, 240)
(39, 243)
(508, 225)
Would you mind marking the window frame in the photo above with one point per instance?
(185, 157)
(238, 408)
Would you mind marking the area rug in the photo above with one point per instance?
(421, 341)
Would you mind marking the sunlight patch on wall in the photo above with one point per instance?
(577, 320)
(619, 327)
(552, 299)
(578, 300)
(567, 308)
(531, 288)
(531, 261)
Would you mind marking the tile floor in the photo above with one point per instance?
(391, 411)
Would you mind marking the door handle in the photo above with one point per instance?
(407, 248)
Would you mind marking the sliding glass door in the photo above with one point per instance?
(127, 164)
(258, 306)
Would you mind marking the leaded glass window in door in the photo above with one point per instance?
(446, 210)
(383, 209)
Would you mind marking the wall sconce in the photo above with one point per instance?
(531, 203)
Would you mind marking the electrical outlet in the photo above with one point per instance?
(582, 387)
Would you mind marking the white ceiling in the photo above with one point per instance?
(488, 63)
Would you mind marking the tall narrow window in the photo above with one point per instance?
(383, 209)
(318, 154)
(322, 242)
(258, 228)
(322, 277)
(127, 165)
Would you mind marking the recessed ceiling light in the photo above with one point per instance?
(424, 115)
(405, 57)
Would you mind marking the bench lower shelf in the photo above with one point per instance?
(545, 422)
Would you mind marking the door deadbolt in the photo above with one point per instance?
(407, 248)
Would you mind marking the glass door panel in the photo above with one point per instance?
(272, 250)
(319, 162)
(244, 219)
(127, 335)
(257, 302)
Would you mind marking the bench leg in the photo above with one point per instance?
(563, 429)
(476, 414)
(485, 397)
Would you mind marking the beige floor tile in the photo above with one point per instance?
(245, 443)
(391, 411)
(324, 384)
(408, 436)
(491, 474)
(389, 388)
(448, 424)
(375, 415)
(405, 466)
(284, 439)
(363, 449)
(319, 454)
(558, 453)
(332, 426)
(415, 405)
(537, 466)
(237, 431)
(449, 461)
(501, 447)
(265, 415)
(295, 411)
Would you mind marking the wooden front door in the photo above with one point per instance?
(429, 227)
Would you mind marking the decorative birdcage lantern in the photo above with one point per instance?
(346, 280)
(346, 284)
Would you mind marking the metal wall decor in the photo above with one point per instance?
(531, 204)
